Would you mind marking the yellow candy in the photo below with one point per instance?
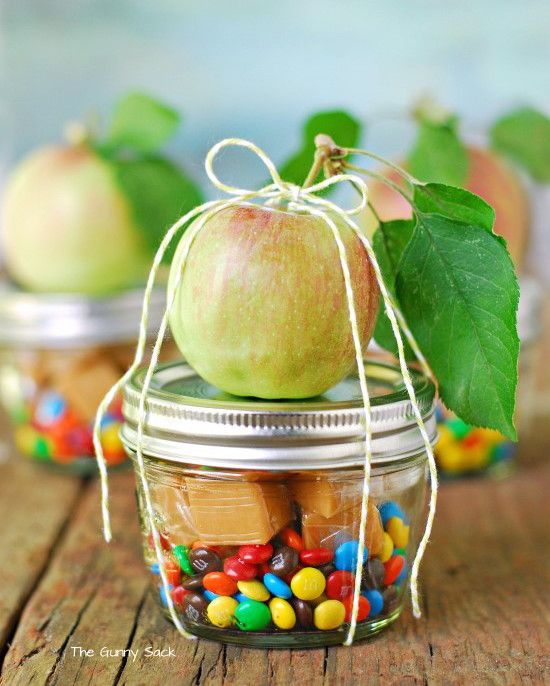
(308, 583)
(25, 438)
(446, 437)
(110, 439)
(254, 590)
(319, 600)
(387, 548)
(221, 610)
(398, 531)
(329, 615)
(450, 458)
(282, 613)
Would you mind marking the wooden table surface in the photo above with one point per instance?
(63, 590)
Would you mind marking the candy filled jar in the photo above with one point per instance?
(258, 505)
(59, 355)
(465, 450)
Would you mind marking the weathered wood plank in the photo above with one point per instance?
(486, 620)
(89, 596)
(35, 505)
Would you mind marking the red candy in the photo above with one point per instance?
(316, 556)
(165, 545)
(173, 571)
(393, 567)
(292, 539)
(240, 571)
(263, 568)
(255, 554)
(178, 594)
(340, 585)
(220, 583)
(362, 611)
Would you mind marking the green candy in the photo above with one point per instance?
(252, 615)
(459, 428)
(41, 449)
(399, 551)
(181, 553)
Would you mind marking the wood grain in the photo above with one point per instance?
(486, 620)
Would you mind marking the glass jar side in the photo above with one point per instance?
(268, 558)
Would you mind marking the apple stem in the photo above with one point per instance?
(380, 177)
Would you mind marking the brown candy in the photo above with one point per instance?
(373, 574)
(391, 599)
(284, 561)
(204, 561)
(304, 613)
(194, 607)
(327, 568)
(194, 583)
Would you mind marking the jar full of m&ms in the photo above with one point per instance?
(465, 450)
(59, 355)
(258, 505)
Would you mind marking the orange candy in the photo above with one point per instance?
(220, 583)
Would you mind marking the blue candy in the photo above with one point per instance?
(376, 600)
(163, 594)
(276, 586)
(240, 597)
(403, 575)
(50, 408)
(390, 509)
(346, 554)
(155, 568)
(210, 596)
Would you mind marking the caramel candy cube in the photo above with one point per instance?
(235, 513)
(84, 385)
(171, 504)
(323, 496)
(330, 532)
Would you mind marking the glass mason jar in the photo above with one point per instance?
(258, 504)
(59, 355)
(465, 450)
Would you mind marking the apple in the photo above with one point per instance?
(490, 177)
(261, 307)
(67, 227)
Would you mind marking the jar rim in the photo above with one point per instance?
(190, 421)
(65, 320)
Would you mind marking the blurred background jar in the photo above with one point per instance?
(258, 504)
(59, 355)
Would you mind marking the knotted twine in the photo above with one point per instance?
(304, 200)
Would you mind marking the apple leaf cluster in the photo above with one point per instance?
(456, 286)
(524, 136)
(158, 191)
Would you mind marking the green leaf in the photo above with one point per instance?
(339, 125)
(141, 123)
(459, 294)
(438, 154)
(454, 203)
(159, 193)
(389, 242)
(524, 135)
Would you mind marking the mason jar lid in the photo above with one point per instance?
(190, 421)
(47, 320)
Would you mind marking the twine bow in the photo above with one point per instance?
(302, 199)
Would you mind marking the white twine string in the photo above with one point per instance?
(278, 190)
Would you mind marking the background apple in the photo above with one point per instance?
(67, 226)
(490, 177)
(261, 309)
